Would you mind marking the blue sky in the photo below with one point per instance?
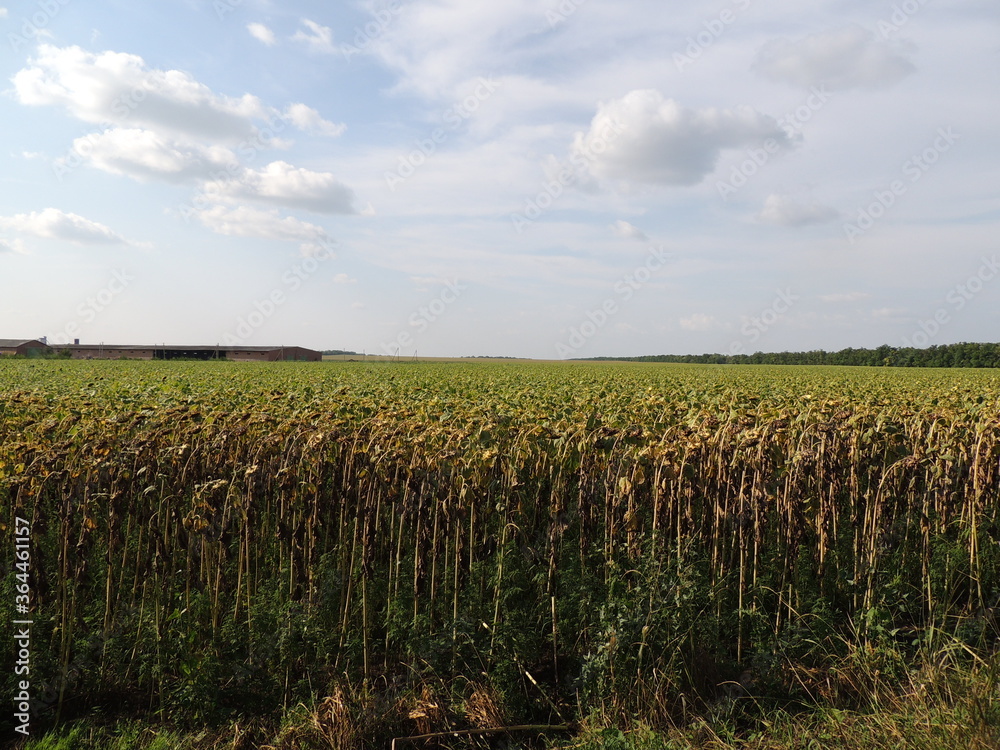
(549, 179)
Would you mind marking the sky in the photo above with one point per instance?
(530, 178)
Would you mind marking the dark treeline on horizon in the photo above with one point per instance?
(946, 355)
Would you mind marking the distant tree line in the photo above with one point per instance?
(946, 355)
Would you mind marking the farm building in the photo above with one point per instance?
(23, 347)
(236, 353)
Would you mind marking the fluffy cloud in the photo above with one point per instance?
(841, 59)
(308, 120)
(646, 138)
(261, 33)
(628, 231)
(115, 88)
(53, 224)
(252, 223)
(317, 38)
(166, 126)
(144, 155)
(282, 184)
(780, 209)
(118, 88)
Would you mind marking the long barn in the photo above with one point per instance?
(37, 348)
(235, 353)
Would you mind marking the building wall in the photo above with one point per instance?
(287, 353)
(257, 355)
(108, 353)
(180, 352)
(296, 353)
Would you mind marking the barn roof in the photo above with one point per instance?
(14, 343)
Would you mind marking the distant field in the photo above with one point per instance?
(401, 359)
(458, 544)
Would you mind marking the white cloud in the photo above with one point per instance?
(144, 155)
(308, 120)
(343, 278)
(628, 231)
(261, 33)
(53, 224)
(114, 88)
(282, 184)
(317, 38)
(118, 88)
(252, 223)
(699, 322)
(174, 129)
(646, 138)
(780, 209)
(3, 12)
(845, 297)
(31, 155)
(845, 58)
